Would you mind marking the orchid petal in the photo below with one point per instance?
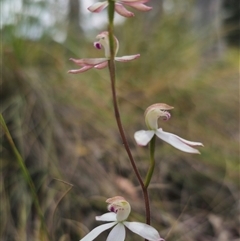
(143, 137)
(96, 231)
(178, 142)
(102, 65)
(83, 69)
(92, 61)
(118, 233)
(120, 9)
(108, 217)
(98, 7)
(127, 58)
(133, 1)
(139, 6)
(143, 230)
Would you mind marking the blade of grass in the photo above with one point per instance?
(58, 202)
(26, 174)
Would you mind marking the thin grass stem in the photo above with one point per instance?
(26, 175)
(58, 202)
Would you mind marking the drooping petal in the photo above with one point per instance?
(133, 1)
(143, 137)
(91, 61)
(139, 6)
(178, 142)
(98, 7)
(144, 230)
(108, 217)
(127, 58)
(101, 66)
(96, 231)
(118, 233)
(120, 9)
(83, 69)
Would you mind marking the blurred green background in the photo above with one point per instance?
(63, 125)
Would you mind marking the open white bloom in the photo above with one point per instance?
(119, 211)
(152, 115)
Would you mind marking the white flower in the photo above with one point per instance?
(119, 211)
(152, 114)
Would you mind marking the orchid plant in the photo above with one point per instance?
(119, 208)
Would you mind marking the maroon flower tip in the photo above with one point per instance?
(97, 45)
(111, 208)
(167, 117)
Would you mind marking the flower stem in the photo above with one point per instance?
(111, 10)
(26, 175)
(152, 162)
(111, 67)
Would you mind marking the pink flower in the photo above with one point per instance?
(119, 8)
(100, 63)
(152, 114)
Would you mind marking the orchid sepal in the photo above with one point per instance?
(143, 137)
(109, 217)
(101, 66)
(118, 233)
(98, 7)
(139, 6)
(121, 10)
(78, 71)
(127, 58)
(144, 230)
(91, 61)
(178, 142)
(98, 230)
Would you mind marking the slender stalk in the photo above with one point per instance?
(58, 202)
(25, 174)
(111, 67)
(125, 142)
(152, 162)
